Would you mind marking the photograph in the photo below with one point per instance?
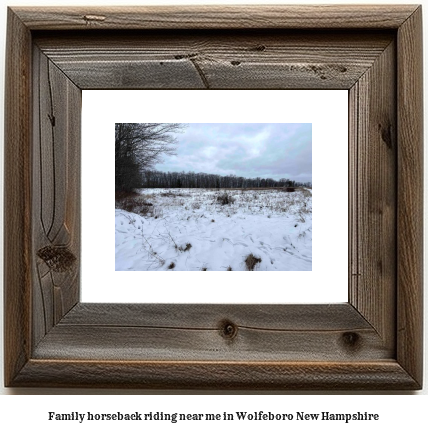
(213, 197)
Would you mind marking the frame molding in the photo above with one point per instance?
(372, 342)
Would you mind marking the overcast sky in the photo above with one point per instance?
(250, 150)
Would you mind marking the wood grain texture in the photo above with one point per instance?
(372, 342)
(198, 332)
(216, 17)
(216, 59)
(383, 375)
(56, 194)
(17, 199)
(410, 197)
(373, 168)
(209, 316)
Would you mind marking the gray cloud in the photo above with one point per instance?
(250, 150)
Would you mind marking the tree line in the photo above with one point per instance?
(158, 179)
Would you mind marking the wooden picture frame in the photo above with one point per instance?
(372, 342)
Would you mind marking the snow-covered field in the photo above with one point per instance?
(191, 230)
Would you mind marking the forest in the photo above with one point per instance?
(157, 179)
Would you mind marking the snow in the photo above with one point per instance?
(190, 230)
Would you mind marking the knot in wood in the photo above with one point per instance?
(258, 48)
(227, 329)
(351, 340)
(58, 259)
(386, 134)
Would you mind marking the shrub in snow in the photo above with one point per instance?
(225, 198)
(133, 202)
(185, 249)
(251, 261)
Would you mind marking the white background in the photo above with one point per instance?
(398, 412)
(328, 113)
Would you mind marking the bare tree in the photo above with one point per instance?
(138, 147)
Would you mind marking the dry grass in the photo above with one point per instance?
(187, 248)
(225, 198)
(174, 194)
(251, 261)
(133, 202)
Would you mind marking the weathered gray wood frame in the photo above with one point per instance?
(372, 342)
